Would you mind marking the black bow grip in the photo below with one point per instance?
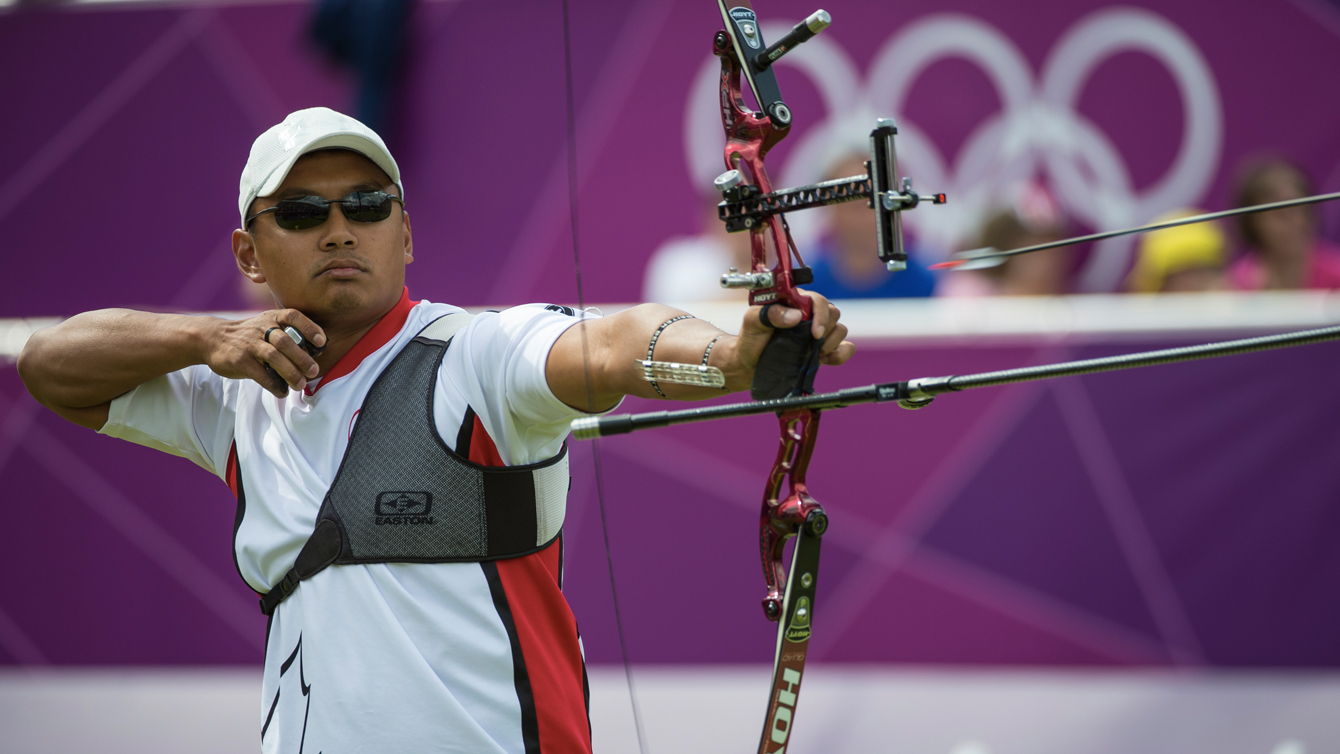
(788, 363)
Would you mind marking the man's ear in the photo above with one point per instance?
(409, 238)
(244, 251)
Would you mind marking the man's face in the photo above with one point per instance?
(340, 269)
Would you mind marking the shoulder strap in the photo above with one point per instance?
(443, 328)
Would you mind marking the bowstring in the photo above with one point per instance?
(586, 368)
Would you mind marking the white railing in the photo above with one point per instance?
(1086, 317)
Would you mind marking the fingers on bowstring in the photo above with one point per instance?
(293, 354)
(299, 321)
(279, 363)
(260, 372)
(311, 334)
(277, 338)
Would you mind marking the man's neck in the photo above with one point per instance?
(342, 334)
(340, 341)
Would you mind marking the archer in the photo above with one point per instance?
(400, 466)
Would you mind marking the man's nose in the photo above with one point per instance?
(337, 232)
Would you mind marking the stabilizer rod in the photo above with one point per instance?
(919, 392)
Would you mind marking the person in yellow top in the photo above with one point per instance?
(1183, 259)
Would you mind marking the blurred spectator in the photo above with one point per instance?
(1284, 250)
(368, 37)
(846, 263)
(1181, 259)
(689, 268)
(1030, 218)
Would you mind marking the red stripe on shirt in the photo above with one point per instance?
(547, 631)
(482, 449)
(230, 471)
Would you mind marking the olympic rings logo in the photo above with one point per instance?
(1037, 131)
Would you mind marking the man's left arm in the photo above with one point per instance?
(593, 365)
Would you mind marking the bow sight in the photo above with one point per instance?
(751, 205)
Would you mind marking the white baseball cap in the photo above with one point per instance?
(274, 152)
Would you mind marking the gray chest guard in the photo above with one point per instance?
(402, 496)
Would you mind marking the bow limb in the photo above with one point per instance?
(788, 362)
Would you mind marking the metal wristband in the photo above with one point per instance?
(651, 349)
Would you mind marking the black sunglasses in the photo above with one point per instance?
(305, 212)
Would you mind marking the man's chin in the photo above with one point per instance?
(346, 299)
(349, 300)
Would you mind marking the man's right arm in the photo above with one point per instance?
(78, 367)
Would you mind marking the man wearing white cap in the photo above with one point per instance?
(399, 465)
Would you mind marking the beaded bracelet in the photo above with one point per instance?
(708, 353)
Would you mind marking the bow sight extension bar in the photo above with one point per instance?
(745, 207)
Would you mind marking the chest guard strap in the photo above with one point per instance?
(402, 496)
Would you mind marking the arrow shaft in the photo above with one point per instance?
(1160, 226)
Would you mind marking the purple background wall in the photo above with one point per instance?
(128, 129)
(1105, 521)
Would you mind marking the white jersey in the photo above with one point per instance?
(391, 657)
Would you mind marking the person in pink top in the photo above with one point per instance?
(1284, 250)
